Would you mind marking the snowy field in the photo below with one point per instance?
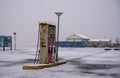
(81, 63)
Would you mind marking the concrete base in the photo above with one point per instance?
(41, 66)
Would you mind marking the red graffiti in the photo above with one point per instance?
(51, 49)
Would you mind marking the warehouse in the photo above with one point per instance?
(77, 40)
(77, 37)
(99, 43)
(74, 40)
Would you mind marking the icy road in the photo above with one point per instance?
(81, 63)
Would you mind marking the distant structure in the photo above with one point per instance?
(77, 37)
(77, 40)
(99, 43)
(74, 40)
(5, 41)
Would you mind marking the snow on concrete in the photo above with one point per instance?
(82, 63)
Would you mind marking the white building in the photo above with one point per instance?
(89, 42)
(77, 37)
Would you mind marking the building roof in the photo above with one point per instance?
(97, 40)
(77, 37)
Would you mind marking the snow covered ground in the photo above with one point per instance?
(82, 63)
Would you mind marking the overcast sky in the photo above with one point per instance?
(92, 18)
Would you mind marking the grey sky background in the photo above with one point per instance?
(92, 18)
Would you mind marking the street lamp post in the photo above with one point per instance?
(58, 14)
(14, 39)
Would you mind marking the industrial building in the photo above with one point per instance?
(74, 40)
(77, 40)
(99, 43)
(77, 37)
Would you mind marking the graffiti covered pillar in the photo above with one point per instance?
(47, 43)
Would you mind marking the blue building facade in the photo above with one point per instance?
(71, 44)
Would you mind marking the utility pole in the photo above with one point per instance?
(58, 14)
